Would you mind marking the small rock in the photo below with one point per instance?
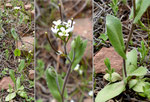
(27, 44)
(88, 100)
(31, 74)
(5, 82)
(115, 60)
(28, 6)
(8, 5)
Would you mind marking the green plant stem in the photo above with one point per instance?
(60, 9)
(51, 43)
(68, 73)
(130, 35)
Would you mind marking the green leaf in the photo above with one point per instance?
(139, 86)
(103, 36)
(14, 34)
(143, 7)
(21, 88)
(17, 52)
(114, 32)
(51, 76)
(141, 71)
(78, 46)
(131, 61)
(12, 75)
(138, 4)
(18, 84)
(115, 77)
(107, 63)
(132, 83)
(10, 90)
(110, 91)
(39, 100)
(23, 94)
(21, 65)
(10, 96)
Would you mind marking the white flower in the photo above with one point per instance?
(72, 101)
(62, 28)
(54, 29)
(80, 72)
(16, 8)
(58, 22)
(71, 29)
(59, 53)
(30, 51)
(69, 23)
(90, 93)
(19, 60)
(64, 32)
(77, 67)
(23, 46)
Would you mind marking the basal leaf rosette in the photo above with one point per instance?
(63, 30)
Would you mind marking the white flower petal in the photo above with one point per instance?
(77, 67)
(54, 30)
(67, 34)
(60, 34)
(58, 22)
(90, 93)
(62, 29)
(69, 21)
(59, 53)
(80, 72)
(72, 101)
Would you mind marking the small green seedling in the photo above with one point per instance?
(114, 6)
(103, 37)
(4, 72)
(40, 68)
(111, 75)
(17, 52)
(143, 52)
(17, 90)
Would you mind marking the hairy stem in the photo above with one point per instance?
(130, 35)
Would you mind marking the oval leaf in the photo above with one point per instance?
(143, 7)
(14, 34)
(10, 96)
(22, 94)
(21, 65)
(131, 61)
(12, 75)
(52, 85)
(78, 46)
(132, 83)
(114, 31)
(139, 86)
(115, 77)
(141, 71)
(110, 91)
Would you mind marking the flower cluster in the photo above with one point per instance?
(62, 29)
